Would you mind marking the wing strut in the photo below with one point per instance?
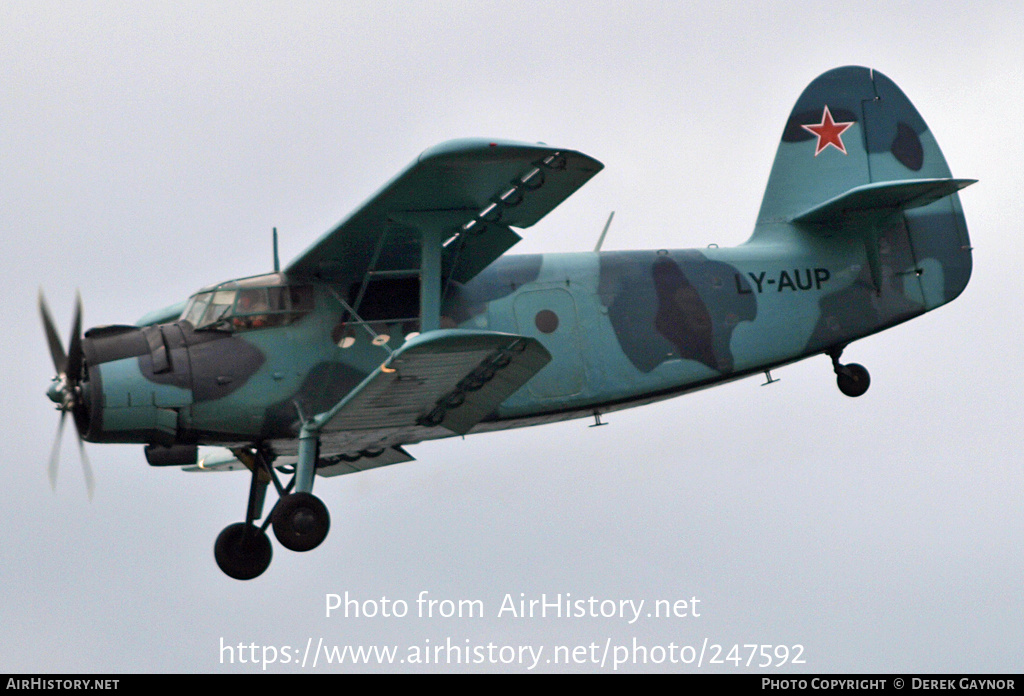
(430, 277)
(352, 314)
(433, 227)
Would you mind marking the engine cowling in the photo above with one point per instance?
(138, 382)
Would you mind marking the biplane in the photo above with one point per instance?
(409, 321)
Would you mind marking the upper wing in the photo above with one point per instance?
(475, 189)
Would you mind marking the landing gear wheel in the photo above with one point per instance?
(853, 379)
(301, 521)
(242, 551)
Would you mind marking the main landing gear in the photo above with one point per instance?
(853, 379)
(300, 520)
(243, 551)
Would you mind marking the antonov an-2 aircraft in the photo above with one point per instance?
(407, 321)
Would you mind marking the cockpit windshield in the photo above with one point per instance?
(251, 303)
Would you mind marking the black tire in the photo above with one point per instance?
(243, 551)
(300, 521)
(853, 379)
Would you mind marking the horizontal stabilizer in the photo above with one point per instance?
(873, 201)
(448, 378)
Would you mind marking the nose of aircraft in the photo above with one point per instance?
(56, 391)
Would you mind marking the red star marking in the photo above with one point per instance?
(829, 132)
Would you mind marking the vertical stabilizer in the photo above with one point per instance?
(853, 127)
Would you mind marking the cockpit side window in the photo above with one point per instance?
(253, 310)
(248, 308)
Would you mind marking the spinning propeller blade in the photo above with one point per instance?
(90, 483)
(60, 358)
(55, 452)
(74, 365)
(65, 390)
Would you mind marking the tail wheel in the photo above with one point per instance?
(853, 379)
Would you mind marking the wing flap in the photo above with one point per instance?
(443, 378)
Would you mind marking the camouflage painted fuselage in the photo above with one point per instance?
(623, 328)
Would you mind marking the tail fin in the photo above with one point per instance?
(852, 128)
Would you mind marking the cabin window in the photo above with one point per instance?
(388, 299)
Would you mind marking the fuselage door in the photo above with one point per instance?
(550, 316)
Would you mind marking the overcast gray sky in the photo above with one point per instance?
(147, 150)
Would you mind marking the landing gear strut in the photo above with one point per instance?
(853, 379)
(300, 519)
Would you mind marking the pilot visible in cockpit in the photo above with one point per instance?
(250, 309)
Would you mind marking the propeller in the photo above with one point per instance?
(66, 387)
